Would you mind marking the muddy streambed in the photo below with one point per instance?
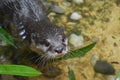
(96, 20)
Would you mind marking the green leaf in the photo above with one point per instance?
(5, 36)
(118, 75)
(71, 74)
(79, 52)
(19, 70)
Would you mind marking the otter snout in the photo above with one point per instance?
(59, 50)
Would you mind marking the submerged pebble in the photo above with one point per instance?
(65, 3)
(2, 43)
(76, 40)
(51, 71)
(71, 23)
(2, 58)
(95, 39)
(57, 9)
(94, 59)
(78, 1)
(104, 67)
(75, 16)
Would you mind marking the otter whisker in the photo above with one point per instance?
(37, 60)
(42, 60)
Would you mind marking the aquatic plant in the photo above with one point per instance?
(71, 74)
(79, 52)
(20, 70)
(118, 75)
(28, 71)
(6, 37)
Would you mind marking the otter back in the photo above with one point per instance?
(22, 13)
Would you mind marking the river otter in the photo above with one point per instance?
(34, 26)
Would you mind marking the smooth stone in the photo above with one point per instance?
(2, 58)
(71, 23)
(95, 39)
(104, 67)
(65, 3)
(75, 16)
(78, 1)
(94, 59)
(76, 40)
(57, 9)
(2, 43)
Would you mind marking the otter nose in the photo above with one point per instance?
(59, 50)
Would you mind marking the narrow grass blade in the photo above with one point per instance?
(71, 74)
(19, 70)
(118, 75)
(79, 52)
(5, 36)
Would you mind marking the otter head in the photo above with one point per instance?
(51, 40)
(44, 36)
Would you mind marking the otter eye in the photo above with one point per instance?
(64, 39)
(46, 43)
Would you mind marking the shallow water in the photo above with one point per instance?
(100, 20)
